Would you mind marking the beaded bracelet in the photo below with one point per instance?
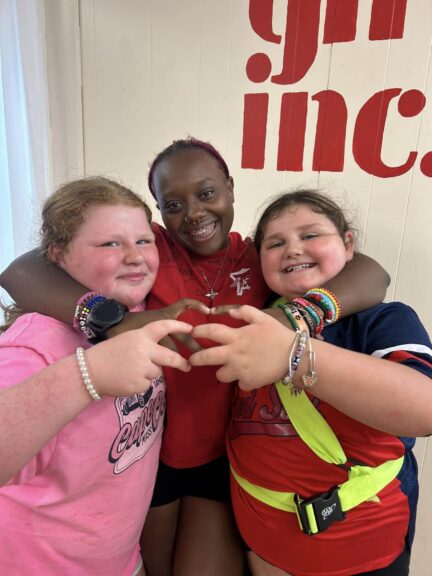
(85, 375)
(307, 317)
(296, 352)
(289, 315)
(82, 311)
(327, 301)
(316, 312)
(313, 315)
(296, 317)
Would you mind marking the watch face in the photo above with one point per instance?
(107, 313)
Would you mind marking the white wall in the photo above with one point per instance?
(126, 78)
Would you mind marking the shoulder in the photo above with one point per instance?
(236, 237)
(392, 331)
(47, 336)
(242, 247)
(388, 323)
(157, 228)
(401, 330)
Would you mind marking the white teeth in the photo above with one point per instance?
(202, 232)
(298, 267)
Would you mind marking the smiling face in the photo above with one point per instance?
(113, 252)
(301, 250)
(196, 200)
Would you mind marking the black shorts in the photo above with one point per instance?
(210, 481)
(399, 567)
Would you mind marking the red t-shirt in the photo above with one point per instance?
(198, 405)
(264, 448)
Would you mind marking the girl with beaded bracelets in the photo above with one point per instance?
(80, 428)
(189, 529)
(324, 481)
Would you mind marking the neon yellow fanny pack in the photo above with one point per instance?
(364, 482)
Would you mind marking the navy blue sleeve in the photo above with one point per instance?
(396, 333)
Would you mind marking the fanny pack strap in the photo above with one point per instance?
(311, 426)
(364, 482)
(317, 514)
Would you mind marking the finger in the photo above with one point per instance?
(161, 328)
(246, 386)
(223, 309)
(217, 332)
(225, 374)
(188, 342)
(209, 357)
(164, 357)
(189, 304)
(169, 343)
(249, 314)
(153, 371)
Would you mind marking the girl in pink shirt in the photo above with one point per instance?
(80, 428)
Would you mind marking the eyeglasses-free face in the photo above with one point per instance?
(196, 200)
(301, 250)
(113, 252)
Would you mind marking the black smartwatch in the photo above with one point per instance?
(104, 315)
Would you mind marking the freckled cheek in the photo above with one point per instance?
(105, 268)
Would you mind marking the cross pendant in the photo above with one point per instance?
(212, 295)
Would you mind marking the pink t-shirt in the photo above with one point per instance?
(77, 508)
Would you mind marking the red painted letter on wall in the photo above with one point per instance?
(329, 150)
(292, 129)
(369, 130)
(300, 43)
(254, 130)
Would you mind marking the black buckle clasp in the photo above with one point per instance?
(325, 509)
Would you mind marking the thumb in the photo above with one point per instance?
(161, 328)
(247, 313)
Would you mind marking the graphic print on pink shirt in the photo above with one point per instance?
(141, 422)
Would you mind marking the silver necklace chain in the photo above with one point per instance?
(212, 289)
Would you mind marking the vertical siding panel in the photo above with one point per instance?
(176, 34)
(214, 84)
(390, 196)
(63, 53)
(411, 284)
(116, 95)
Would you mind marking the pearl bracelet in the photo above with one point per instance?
(85, 375)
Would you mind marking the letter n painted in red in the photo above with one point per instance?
(292, 129)
(254, 130)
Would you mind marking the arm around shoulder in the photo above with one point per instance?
(39, 286)
(362, 284)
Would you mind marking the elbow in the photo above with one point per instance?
(387, 279)
(9, 278)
